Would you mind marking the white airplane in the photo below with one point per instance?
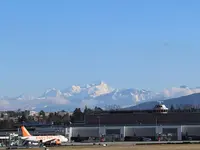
(4, 138)
(57, 139)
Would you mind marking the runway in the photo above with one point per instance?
(132, 143)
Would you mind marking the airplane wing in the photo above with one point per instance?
(24, 138)
(49, 140)
(43, 141)
(29, 140)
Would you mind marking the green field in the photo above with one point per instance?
(127, 147)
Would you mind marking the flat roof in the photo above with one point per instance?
(141, 111)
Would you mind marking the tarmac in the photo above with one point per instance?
(132, 143)
(117, 143)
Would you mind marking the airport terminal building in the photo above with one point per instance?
(136, 125)
(157, 124)
(135, 133)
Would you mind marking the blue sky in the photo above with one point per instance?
(133, 43)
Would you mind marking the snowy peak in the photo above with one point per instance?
(24, 97)
(76, 89)
(97, 90)
(135, 95)
(88, 90)
(52, 93)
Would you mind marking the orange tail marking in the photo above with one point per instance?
(25, 132)
(58, 141)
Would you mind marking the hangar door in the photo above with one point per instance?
(172, 131)
(113, 134)
(112, 131)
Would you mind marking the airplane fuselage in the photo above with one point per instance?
(46, 138)
(58, 139)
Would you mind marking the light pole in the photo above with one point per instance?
(157, 131)
(99, 125)
(156, 121)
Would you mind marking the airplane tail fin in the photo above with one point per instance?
(25, 132)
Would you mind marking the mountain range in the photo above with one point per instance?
(189, 101)
(97, 94)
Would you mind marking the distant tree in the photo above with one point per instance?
(172, 108)
(98, 109)
(42, 113)
(72, 119)
(193, 109)
(30, 118)
(87, 110)
(66, 119)
(27, 112)
(22, 118)
(7, 124)
(179, 108)
(58, 119)
(77, 115)
(19, 112)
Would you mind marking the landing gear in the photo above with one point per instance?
(41, 143)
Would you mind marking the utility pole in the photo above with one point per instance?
(99, 125)
(156, 122)
(157, 131)
(9, 142)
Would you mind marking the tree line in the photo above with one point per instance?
(54, 118)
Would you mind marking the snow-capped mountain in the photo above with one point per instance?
(98, 94)
(188, 101)
(89, 90)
